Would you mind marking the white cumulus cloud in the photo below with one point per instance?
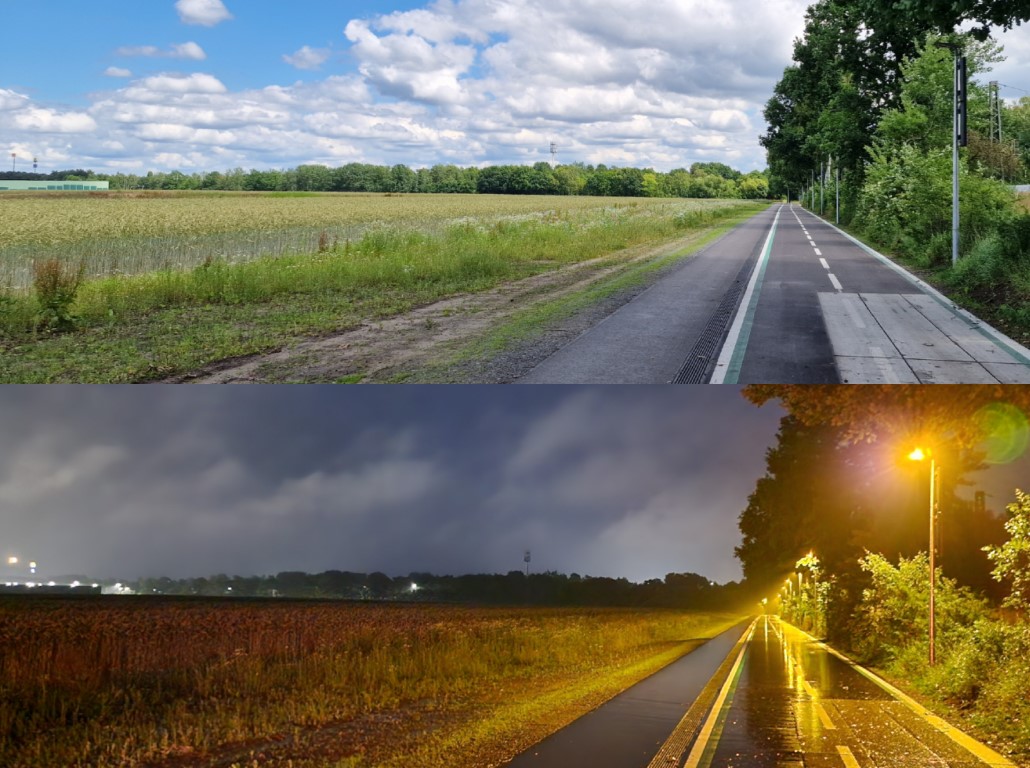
(205, 13)
(308, 58)
(117, 72)
(11, 100)
(188, 50)
(198, 82)
(52, 121)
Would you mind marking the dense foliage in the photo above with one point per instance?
(702, 180)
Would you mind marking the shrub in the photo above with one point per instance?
(56, 285)
(894, 607)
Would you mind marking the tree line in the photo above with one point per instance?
(854, 66)
(676, 590)
(701, 180)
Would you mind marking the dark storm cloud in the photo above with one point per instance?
(182, 481)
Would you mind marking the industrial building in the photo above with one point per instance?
(53, 186)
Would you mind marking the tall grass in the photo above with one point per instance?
(127, 234)
(112, 682)
(422, 263)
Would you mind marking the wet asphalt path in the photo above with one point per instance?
(786, 701)
(796, 704)
(629, 729)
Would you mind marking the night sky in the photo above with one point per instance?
(192, 481)
(183, 481)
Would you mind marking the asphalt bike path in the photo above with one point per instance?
(788, 298)
(649, 340)
(630, 729)
(828, 309)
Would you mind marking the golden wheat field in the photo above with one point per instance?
(175, 682)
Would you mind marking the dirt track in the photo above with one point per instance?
(420, 344)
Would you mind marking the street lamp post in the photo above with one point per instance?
(919, 455)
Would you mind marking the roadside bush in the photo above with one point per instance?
(905, 204)
(972, 663)
(983, 269)
(893, 609)
(56, 285)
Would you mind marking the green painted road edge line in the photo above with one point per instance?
(1015, 350)
(981, 751)
(703, 749)
(731, 360)
(683, 735)
(724, 712)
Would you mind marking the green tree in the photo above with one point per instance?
(892, 17)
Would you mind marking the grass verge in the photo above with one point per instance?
(151, 326)
(538, 318)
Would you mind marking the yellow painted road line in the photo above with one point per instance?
(694, 759)
(979, 750)
(824, 716)
(847, 757)
(804, 683)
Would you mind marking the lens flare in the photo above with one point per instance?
(1005, 430)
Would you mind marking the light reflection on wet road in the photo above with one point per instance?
(798, 705)
(784, 701)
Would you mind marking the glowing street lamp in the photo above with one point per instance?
(920, 455)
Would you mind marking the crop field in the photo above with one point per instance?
(123, 288)
(134, 233)
(165, 682)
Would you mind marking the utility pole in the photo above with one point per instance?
(822, 188)
(836, 169)
(959, 139)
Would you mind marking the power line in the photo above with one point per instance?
(1014, 88)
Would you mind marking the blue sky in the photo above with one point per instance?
(197, 85)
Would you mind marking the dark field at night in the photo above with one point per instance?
(203, 682)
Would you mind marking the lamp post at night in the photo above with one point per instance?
(920, 455)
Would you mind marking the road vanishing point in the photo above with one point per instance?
(787, 298)
(761, 695)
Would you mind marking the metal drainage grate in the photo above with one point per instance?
(695, 368)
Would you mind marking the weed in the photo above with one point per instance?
(56, 286)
